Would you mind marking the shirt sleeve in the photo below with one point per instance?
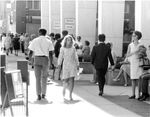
(51, 47)
(31, 45)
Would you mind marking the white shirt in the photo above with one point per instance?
(41, 46)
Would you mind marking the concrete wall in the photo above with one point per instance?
(45, 10)
(55, 16)
(112, 23)
(20, 8)
(87, 21)
(145, 24)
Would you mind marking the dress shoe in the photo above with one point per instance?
(140, 97)
(43, 95)
(100, 93)
(144, 98)
(132, 97)
(39, 97)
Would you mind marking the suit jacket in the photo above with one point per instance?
(100, 55)
(57, 47)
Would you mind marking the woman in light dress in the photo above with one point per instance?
(132, 53)
(7, 43)
(69, 58)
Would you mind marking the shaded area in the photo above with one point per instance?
(138, 107)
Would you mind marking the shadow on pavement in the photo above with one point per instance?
(138, 107)
(66, 101)
(42, 102)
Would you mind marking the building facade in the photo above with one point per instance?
(25, 16)
(117, 19)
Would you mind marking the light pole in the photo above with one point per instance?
(26, 17)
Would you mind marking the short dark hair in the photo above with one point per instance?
(101, 37)
(138, 33)
(52, 34)
(79, 37)
(87, 42)
(64, 32)
(57, 36)
(109, 44)
(42, 31)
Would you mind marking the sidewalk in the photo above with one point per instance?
(114, 102)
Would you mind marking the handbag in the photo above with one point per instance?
(144, 63)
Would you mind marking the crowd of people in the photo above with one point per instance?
(64, 53)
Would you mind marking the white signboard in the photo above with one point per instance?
(56, 25)
(69, 23)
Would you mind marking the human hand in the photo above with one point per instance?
(59, 67)
(77, 67)
(112, 67)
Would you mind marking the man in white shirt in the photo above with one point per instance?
(42, 48)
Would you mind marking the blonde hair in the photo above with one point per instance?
(64, 42)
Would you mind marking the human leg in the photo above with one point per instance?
(125, 78)
(44, 62)
(119, 74)
(37, 71)
(65, 84)
(133, 89)
(71, 86)
(101, 79)
(145, 82)
(44, 81)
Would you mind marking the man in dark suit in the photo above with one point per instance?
(99, 58)
(58, 46)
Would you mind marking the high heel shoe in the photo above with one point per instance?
(144, 98)
(132, 97)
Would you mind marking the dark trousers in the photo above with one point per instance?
(101, 78)
(145, 83)
(22, 47)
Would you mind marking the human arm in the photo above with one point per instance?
(76, 59)
(93, 56)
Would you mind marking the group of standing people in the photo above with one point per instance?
(15, 42)
(64, 50)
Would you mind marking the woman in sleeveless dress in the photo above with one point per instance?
(132, 52)
(69, 58)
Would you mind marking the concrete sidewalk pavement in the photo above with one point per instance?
(87, 102)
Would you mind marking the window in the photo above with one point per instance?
(36, 4)
(29, 4)
(127, 8)
(33, 4)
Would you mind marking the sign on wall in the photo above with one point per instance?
(56, 25)
(69, 23)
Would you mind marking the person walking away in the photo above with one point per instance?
(16, 44)
(99, 58)
(33, 36)
(26, 43)
(11, 44)
(55, 59)
(57, 49)
(22, 42)
(7, 44)
(132, 53)
(42, 48)
(69, 59)
(3, 42)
